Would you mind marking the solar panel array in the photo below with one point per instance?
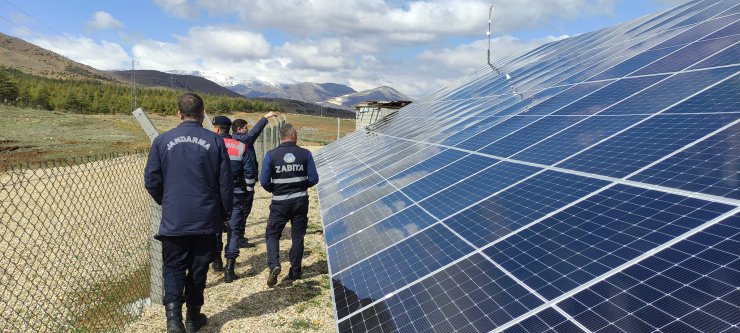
(591, 186)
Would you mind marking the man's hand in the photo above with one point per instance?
(270, 114)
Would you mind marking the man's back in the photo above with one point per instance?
(194, 181)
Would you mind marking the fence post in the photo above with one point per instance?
(339, 125)
(156, 285)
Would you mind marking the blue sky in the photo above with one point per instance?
(413, 46)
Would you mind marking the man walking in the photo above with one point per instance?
(239, 167)
(188, 173)
(287, 172)
(248, 137)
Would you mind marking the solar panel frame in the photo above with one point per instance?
(549, 71)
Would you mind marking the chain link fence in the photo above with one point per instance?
(76, 247)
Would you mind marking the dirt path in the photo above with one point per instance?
(247, 304)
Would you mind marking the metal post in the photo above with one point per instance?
(339, 125)
(156, 283)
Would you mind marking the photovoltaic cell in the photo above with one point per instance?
(711, 166)
(396, 267)
(609, 95)
(447, 176)
(670, 91)
(470, 296)
(512, 209)
(339, 229)
(377, 237)
(687, 56)
(476, 188)
(591, 185)
(689, 287)
(597, 235)
(576, 138)
(646, 143)
(528, 135)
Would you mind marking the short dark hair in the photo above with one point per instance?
(191, 105)
(224, 128)
(237, 124)
(286, 130)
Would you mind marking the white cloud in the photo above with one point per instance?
(179, 8)
(322, 54)
(101, 55)
(225, 43)
(103, 20)
(419, 21)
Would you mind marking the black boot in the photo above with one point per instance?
(173, 311)
(229, 274)
(218, 264)
(194, 320)
(243, 243)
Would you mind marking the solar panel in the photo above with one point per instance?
(596, 190)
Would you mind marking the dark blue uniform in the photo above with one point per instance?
(250, 169)
(188, 173)
(239, 168)
(288, 171)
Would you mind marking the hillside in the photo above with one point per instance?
(304, 91)
(29, 58)
(151, 78)
(298, 107)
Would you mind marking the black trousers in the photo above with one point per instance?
(248, 200)
(185, 261)
(232, 228)
(280, 214)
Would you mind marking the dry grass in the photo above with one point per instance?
(247, 304)
(28, 135)
(67, 232)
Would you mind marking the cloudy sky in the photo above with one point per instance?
(413, 46)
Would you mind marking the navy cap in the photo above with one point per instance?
(221, 121)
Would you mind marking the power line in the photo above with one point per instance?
(20, 26)
(37, 20)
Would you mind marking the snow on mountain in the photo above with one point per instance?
(226, 80)
(329, 94)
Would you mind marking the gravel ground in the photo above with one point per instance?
(247, 304)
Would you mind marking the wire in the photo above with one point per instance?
(34, 18)
(37, 20)
(507, 77)
(490, 14)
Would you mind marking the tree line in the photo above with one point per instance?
(96, 97)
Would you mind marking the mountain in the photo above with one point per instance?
(226, 80)
(332, 95)
(198, 83)
(150, 78)
(304, 91)
(29, 58)
(383, 93)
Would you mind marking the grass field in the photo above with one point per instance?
(28, 136)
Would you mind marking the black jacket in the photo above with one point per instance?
(250, 173)
(188, 173)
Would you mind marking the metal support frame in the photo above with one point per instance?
(156, 282)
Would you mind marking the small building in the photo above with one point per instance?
(370, 112)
